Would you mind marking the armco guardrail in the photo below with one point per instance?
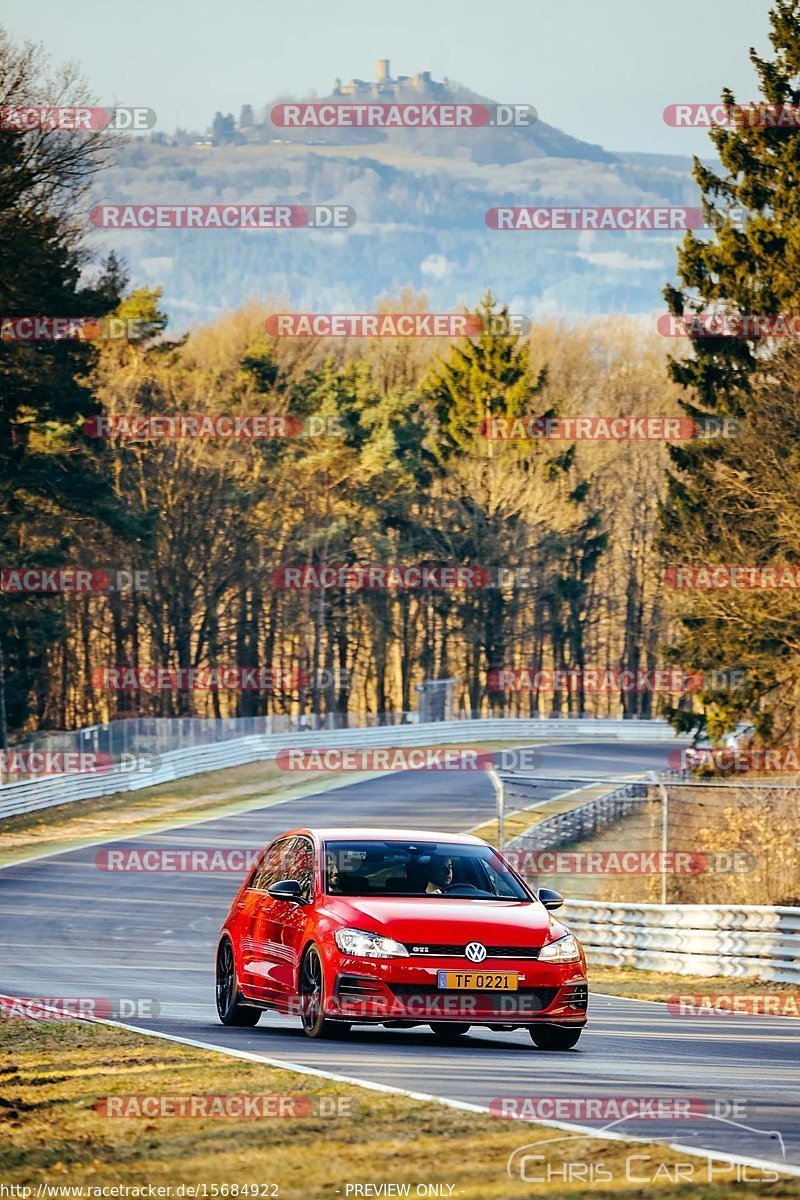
(749, 941)
(17, 798)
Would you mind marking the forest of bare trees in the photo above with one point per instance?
(564, 532)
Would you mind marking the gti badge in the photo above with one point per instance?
(475, 952)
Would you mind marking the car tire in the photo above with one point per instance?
(551, 1037)
(449, 1031)
(311, 995)
(230, 1009)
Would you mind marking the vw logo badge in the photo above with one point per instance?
(475, 952)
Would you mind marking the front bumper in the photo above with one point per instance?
(383, 990)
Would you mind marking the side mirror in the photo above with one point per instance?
(286, 889)
(548, 897)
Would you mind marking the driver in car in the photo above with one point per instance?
(441, 876)
(333, 872)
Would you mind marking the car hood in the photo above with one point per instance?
(439, 920)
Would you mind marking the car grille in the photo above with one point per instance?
(445, 950)
(533, 999)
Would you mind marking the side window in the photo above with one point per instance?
(298, 862)
(272, 866)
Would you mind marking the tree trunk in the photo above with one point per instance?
(3, 714)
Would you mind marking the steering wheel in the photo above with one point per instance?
(460, 889)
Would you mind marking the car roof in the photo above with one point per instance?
(357, 833)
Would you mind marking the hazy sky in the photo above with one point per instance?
(601, 70)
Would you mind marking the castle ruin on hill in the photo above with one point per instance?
(386, 88)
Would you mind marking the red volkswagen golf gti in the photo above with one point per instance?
(400, 928)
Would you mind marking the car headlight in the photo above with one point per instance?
(564, 950)
(368, 945)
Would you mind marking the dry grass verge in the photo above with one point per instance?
(55, 1074)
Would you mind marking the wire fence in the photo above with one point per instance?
(668, 838)
(153, 737)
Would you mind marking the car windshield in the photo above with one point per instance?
(438, 869)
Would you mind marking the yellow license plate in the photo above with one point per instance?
(483, 981)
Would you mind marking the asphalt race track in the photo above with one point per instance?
(68, 928)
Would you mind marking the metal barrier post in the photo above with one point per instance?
(664, 832)
(501, 809)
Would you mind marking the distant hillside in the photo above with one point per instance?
(420, 196)
(481, 145)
